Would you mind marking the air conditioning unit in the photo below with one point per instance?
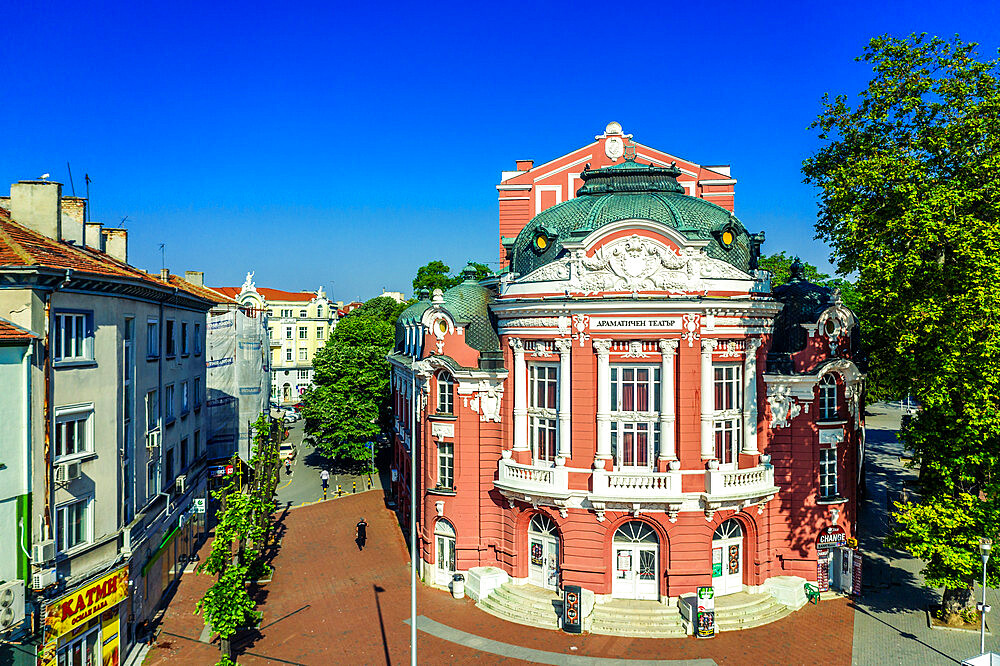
(152, 440)
(43, 551)
(11, 605)
(67, 472)
(180, 484)
(42, 578)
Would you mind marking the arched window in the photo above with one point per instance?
(542, 524)
(635, 531)
(728, 530)
(828, 398)
(445, 394)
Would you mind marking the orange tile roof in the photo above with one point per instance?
(205, 292)
(21, 247)
(10, 331)
(270, 294)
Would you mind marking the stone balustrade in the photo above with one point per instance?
(739, 482)
(655, 486)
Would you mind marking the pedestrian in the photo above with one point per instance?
(362, 533)
(288, 466)
(324, 476)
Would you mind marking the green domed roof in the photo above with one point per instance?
(624, 191)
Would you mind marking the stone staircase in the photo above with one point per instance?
(524, 604)
(646, 619)
(538, 607)
(745, 611)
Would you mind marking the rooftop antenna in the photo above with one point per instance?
(86, 179)
(123, 222)
(163, 263)
(71, 185)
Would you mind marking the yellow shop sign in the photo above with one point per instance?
(76, 608)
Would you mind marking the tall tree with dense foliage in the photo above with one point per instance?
(348, 402)
(910, 202)
(435, 275)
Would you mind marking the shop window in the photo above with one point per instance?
(74, 337)
(445, 394)
(543, 405)
(828, 398)
(828, 473)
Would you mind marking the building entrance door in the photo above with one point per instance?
(444, 552)
(635, 553)
(727, 558)
(543, 552)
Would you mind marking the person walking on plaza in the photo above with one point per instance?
(324, 477)
(361, 534)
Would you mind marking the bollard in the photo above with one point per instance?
(355, 484)
(339, 491)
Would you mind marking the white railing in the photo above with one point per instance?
(540, 479)
(637, 485)
(739, 481)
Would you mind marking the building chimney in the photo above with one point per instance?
(524, 165)
(93, 237)
(195, 277)
(74, 215)
(165, 274)
(116, 243)
(35, 205)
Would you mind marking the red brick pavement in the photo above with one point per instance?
(330, 603)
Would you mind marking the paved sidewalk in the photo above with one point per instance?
(890, 624)
(331, 603)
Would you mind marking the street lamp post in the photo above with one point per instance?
(985, 545)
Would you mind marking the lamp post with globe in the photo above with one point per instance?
(985, 545)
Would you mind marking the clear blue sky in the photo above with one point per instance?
(346, 144)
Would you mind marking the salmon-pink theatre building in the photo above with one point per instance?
(629, 406)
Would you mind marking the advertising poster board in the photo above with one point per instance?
(572, 609)
(856, 581)
(823, 570)
(705, 620)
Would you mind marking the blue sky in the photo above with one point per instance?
(346, 145)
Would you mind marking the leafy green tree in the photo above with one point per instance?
(909, 202)
(348, 402)
(434, 275)
(780, 264)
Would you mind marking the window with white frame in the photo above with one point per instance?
(303, 332)
(73, 524)
(185, 399)
(728, 417)
(168, 403)
(153, 338)
(827, 473)
(446, 465)
(286, 313)
(170, 341)
(828, 398)
(303, 374)
(320, 332)
(303, 354)
(197, 339)
(543, 406)
(635, 409)
(288, 354)
(74, 337)
(288, 332)
(445, 394)
(303, 313)
(185, 346)
(74, 434)
(319, 311)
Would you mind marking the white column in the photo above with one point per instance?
(668, 443)
(603, 349)
(520, 396)
(707, 399)
(750, 397)
(564, 346)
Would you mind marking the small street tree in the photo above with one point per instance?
(244, 530)
(435, 275)
(910, 202)
(780, 265)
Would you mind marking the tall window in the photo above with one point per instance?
(303, 354)
(320, 332)
(74, 337)
(152, 410)
(827, 473)
(543, 403)
(319, 311)
(197, 339)
(185, 347)
(635, 405)
(446, 464)
(184, 453)
(197, 443)
(168, 461)
(828, 398)
(728, 417)
(197, 393)
(74, 436)
(185, 399)
(288, 354)
(152, 338)
(288, 332)
(446, 394)
(168, 403)
(303, 332)
(171, 343)
(73, 524)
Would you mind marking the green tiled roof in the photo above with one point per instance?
(630, 190)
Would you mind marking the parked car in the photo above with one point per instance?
(287, 451)
(290, 417)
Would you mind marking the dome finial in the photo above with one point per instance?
(797, 271)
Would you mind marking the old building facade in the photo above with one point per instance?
(630, 407)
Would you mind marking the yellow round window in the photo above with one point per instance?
(728, 238)
(541, 242)
(442, 326)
